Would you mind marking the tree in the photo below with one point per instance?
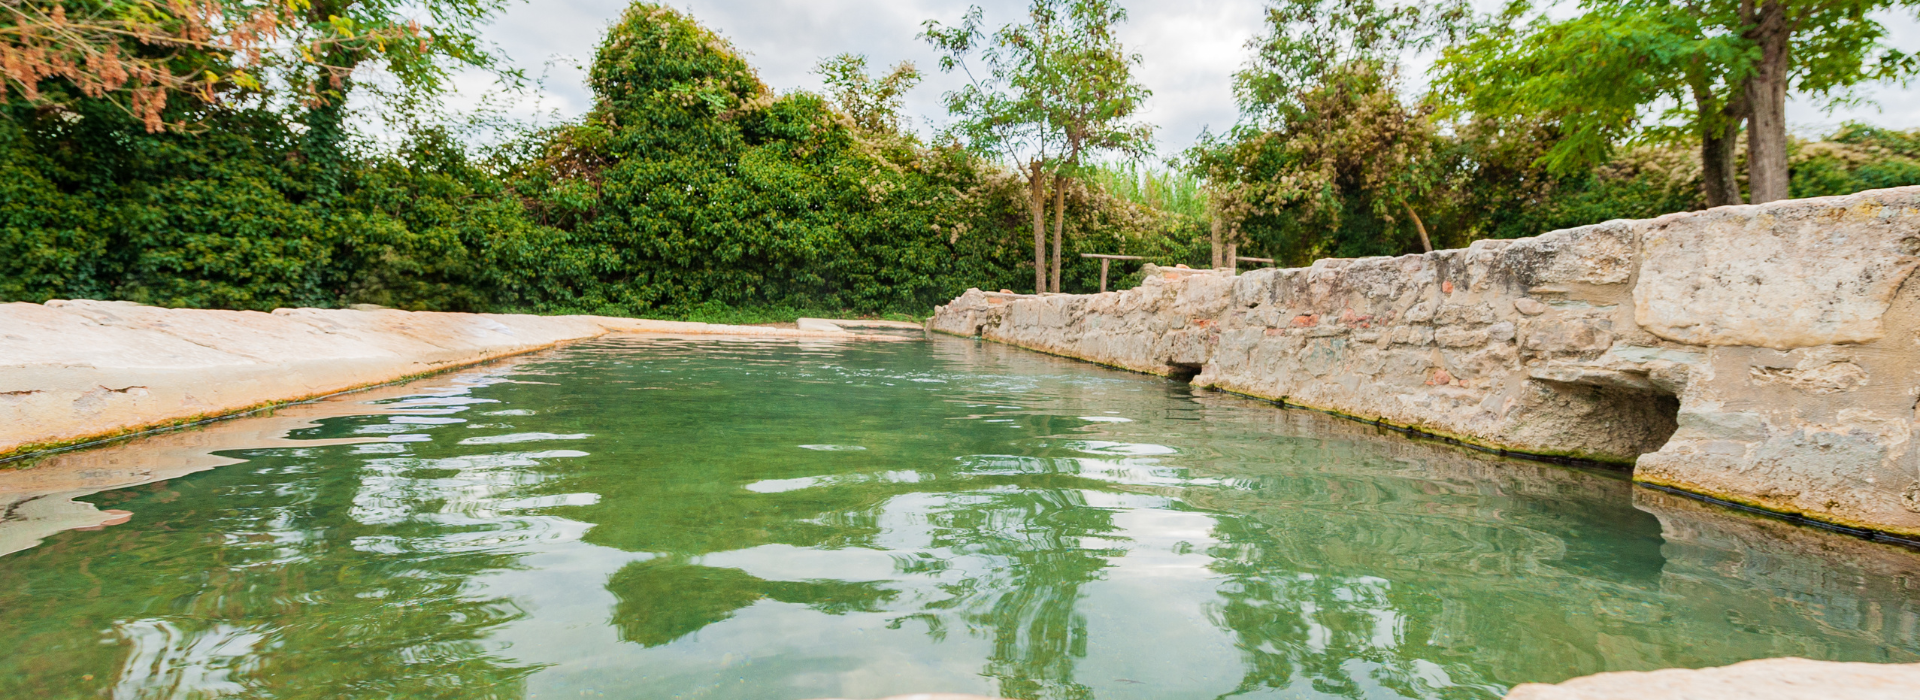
(1324, 136)
(1097, 97)
(1732, 60)
(873, 104)
(1591, 76)
(1056, 90)
(691, 183)
(1347, 155)
(422, 65)
(1002, 111)
(1825, 48)
(136, 54)
(1309, 42)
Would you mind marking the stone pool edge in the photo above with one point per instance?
(76, 373)
(1575, 459)
(1758, 355)
(1732, 501)
(1784, 678)
(1415, 432)
(1796, 678)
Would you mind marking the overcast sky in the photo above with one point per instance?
(1191, 49)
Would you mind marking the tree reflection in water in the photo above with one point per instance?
(1026, 604)
(272, 579)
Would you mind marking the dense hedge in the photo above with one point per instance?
(235, 217)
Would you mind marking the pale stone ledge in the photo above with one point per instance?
(72, 371)
(1766, 679)
(1767, 355)
(1769, 679)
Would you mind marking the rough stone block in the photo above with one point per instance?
(1565, 336)
(1460, 338)
(1780, 275)
(1765, 679)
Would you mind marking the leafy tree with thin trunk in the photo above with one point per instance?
(1098, 97)
(1324, 137)
(1823, 48)
(1002, 110)
(1055, 90)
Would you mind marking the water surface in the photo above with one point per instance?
(674, 518)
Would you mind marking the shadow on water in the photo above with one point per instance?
(667, 517)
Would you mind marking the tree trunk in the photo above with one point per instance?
(1718, 124)
(1766, 93)
(1719, 133)
(325, 141)
(1426, 244)
(1059, 222)
(1037, 197)
(1218, 261)
(1720, 177)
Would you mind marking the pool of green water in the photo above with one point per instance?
(673, 518)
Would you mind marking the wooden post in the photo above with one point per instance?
(1105, 260)
(1233, 259)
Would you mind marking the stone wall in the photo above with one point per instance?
(1764, 354)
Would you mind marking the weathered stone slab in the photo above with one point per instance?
(1433, 342)
(1766, 679)
(41, 500)
(817, 324)
(1782, 276)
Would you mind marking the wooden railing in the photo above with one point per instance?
(1106, 260)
